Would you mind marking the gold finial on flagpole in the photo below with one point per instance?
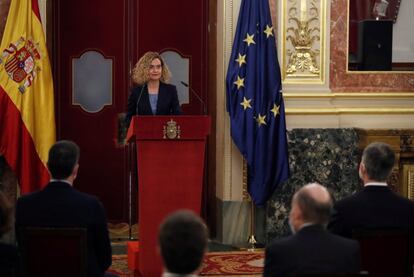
(252, 243)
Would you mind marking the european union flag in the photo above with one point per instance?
(255, 103)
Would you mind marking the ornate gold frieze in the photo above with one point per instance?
(303, 43)
(302, 37)
(408, 180)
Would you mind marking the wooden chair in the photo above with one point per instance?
(386, 252)
(53, 251)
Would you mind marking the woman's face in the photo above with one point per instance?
(155, 70)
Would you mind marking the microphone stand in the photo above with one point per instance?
(139, 98)
(197, 96)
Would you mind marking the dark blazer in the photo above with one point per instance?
(167, 102)
(60, 205)
(312, 250)
(374, 207)
(9, 261)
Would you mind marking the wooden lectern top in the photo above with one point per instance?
(182, 127)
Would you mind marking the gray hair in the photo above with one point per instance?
(378, 159)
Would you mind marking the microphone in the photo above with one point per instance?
(197, 96)
(139, 98)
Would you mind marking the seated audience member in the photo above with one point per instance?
(183, 242)
(375, 206)
(311, 248)
(61, 205)
(8, 252)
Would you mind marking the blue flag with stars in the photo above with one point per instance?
(255, 103)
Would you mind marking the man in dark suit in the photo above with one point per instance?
(60, 205)
(183, 242)
(312, 249)
(376, 206)
(9, 265)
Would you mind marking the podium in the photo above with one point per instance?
(170, 164)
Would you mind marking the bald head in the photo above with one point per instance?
(314, 203)
(316, 191)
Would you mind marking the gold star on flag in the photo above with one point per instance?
(240, 82)
(246, 103)
(261, 120)
(268, 31)
(249, 39)
(241, 60)
(275, 110)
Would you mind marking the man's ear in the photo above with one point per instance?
(362, 171)
(362, 168)
(75, 170)
(299, 214)
(296, 212)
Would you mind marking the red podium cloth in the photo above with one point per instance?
(170, 177)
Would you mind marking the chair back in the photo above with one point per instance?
(385, 252)
(7, 272)
(53, 251)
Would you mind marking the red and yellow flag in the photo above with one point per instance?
(27, 118)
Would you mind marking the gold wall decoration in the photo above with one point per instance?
(302, 36)
(303, 42)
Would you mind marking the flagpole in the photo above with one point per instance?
(252, 238)
(252, 244)
(257, 127)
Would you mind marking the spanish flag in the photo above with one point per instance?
(27, 118)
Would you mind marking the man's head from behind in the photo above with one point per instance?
(63, 160)
(310, 204)
(183, 242)
(377, 162)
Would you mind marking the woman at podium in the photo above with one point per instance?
(152, 94)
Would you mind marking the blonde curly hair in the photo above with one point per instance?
(140, 72)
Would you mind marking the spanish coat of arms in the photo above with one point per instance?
(19, 61)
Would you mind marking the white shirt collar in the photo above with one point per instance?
(376, 184)
(306, 224)
(60, 180)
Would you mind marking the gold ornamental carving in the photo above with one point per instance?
(302, 37)
(171, 130)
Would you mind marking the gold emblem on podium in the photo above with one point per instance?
(171, 130)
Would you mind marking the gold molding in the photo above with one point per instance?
(349, 95)
(376, 72)
(411, 184)
(339, 111)
(408, 181)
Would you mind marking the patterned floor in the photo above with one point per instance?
(233, 263)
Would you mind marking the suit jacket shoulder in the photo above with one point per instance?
(60, 205)
(311, 250)
(373, 207)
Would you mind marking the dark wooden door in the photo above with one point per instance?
(95, 44)
(82, 28)
(180, 26)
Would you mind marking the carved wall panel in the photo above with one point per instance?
(303, 41)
